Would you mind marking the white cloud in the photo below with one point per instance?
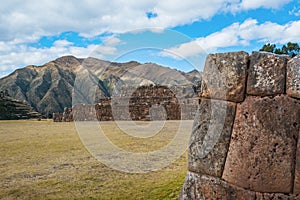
(111, 41)
(30, 19)
(12, 55)
(62, 43)
(295, 11)
(253, 4)
(183, 51)
(24, 22)
(240, 34)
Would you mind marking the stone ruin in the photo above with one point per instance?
(13, 109)
(252, 149)
(143, 103)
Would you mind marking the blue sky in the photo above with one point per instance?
(176, 33)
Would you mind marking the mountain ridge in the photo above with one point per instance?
(48, 88)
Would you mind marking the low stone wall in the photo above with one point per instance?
(57, 117)
(13, 109)
(143, 103)
(244, 143)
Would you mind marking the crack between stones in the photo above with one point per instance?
(285, 78)
(229, 140)
(247, 76)
(294, 166)
(255, 193)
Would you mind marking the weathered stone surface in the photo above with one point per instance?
(67, 115)
(263, 157)
(143, 103)
(263, 144)
(297, 168)
(293, 77)
(275, 196)
(57, 117)
(266, 74)
(202, 187)
(224, 76)
(210, 136)
(12, 109)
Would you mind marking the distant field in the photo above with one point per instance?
(43, 159)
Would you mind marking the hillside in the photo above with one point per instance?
(48, 88)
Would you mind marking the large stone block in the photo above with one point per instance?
(293, 77)
(275, 196)
(297, 168)
(266, 74)
(210, 136)
(261, 155)
(202, 187)
(224, 76)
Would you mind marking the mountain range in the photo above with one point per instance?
(48, 88)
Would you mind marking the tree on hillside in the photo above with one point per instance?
(291, 49)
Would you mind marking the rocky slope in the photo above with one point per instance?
(48, 88)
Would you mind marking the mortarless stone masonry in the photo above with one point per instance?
(293, 77)
(212, 164)
(264, 127)
(267, 74)
(232, 67)
(257, 153)
(142, 103)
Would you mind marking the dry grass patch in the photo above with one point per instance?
(43, 159)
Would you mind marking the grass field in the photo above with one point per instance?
(46, 160)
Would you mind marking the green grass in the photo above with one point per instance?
(46, 160)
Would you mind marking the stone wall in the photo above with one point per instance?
(142, 103)
(244, 143)
(13, 109)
